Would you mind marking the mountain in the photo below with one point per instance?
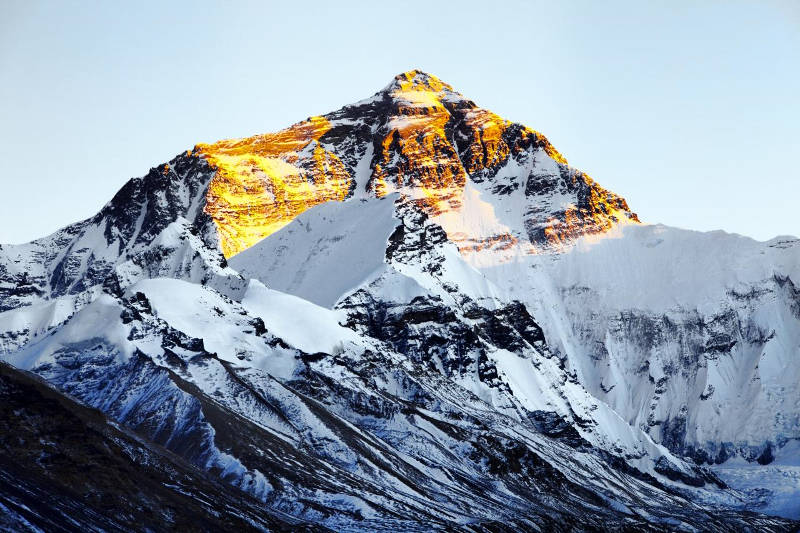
(413, 314)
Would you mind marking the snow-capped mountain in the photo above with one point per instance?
(413, 314)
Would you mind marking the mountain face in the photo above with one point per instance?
(413, 314)
(420, 138)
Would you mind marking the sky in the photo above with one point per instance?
(689, 110)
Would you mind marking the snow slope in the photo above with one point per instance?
(359, 433)
(673, 327)
(325, 252)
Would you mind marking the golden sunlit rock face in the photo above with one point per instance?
(597, 211)
(415, 155)
(263, 182)
(417, 137)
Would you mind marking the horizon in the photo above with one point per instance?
(107, 97)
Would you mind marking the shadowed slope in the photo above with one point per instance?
(65, 467)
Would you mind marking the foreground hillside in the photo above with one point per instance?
(65, 467)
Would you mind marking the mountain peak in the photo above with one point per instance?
(418, 89)
(418, 137)
(417, 80)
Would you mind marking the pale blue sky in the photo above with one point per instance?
(688, 109)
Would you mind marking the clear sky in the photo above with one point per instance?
(690, 110)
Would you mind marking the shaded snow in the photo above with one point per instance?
(206, 314)
(97, 322)
(324, 252)
(302, 324)
(773, 488)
